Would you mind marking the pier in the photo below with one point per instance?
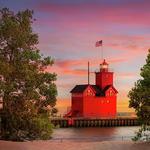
(94, 122)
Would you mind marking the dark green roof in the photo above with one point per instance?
(79, 88)
(98, 90)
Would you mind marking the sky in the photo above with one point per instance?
(69, 29)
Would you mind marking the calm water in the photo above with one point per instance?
(92, 134)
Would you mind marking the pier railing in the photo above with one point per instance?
(84, 122)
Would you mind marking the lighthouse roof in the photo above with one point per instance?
(104, 62)
(81, 88)
(97, 89)
(109, 86)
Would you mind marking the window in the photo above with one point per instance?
(111, 93)
(107, 101)
(89, 93)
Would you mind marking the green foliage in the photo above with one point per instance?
(42, 126)
(54, 112)
(140, 98)
(29, 128)
(143, 134)
(27, 91)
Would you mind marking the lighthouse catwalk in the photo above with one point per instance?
(99, 100)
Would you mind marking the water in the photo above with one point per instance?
(95, 134)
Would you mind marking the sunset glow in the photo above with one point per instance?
(68, 31)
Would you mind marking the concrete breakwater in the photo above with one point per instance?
(89, 122)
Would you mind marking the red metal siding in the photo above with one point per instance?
(99, 107)
(104, 78)
(77, 106)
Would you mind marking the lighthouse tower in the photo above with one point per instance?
(104, 77)
(99, 100)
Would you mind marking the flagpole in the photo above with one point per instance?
(88, 73)
(102, 51)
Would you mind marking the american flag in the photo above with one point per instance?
(98, 43)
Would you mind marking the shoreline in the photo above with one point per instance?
(71, 145)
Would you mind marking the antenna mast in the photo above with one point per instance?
(88, 73)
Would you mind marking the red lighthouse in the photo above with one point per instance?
(95, 100)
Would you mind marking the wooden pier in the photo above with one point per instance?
(86, 122)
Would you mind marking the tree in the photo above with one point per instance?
(140, 100)
(54, 112)
(26, 89)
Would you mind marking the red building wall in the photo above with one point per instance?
(99, 107)
(104, 78)
(77, 104)
(87, 104)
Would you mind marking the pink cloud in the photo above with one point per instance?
(79, 26)
(73, 42)
(66, 70)
(84, 14)
(126, 75)
(70, 63)
(74, 67)
(77, 72)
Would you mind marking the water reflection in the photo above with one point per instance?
(113, 133)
